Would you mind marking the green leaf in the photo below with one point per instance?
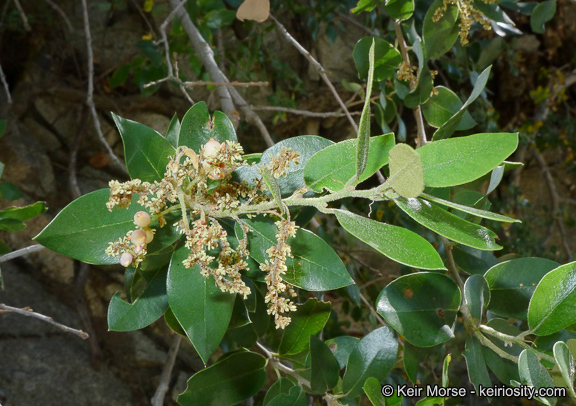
(471, 210)
(477, 371)
(504, 369)
(425, 84)
(146, 152)
(11, 225)
(565, 363)
(448, 225)
(533, 373)
(473, 261)
(400, 9)
(477, 295)
(397, 243)
(240, 316)
(461, 160)
(83, 229)
(374, 355)
(448, 128)
(422, 307)
(247, 335)
(386, 58)
(281, 386)
(413, 357)
(145, 310)
(342, 346)
(273, 188)
(373, 390)
(553, 304)
(333, 166)
(201, 308)
(442, 106)
(236, 378)
(295, 397)
(363, 144)
(197, 127)
(2, 127)
(309, 319)
(406, 171)
(323, 367)
(439, 36)
(173, 132)
(23, 213)
(120, 76)
(10, 192)
(541, 14)
(172, 322)
(314, 266)
(512, 284)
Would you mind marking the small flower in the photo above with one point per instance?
(139, 237)
(142, 219)
(126, 259)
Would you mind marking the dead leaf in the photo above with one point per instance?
(257, 10)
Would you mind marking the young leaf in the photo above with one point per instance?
(442, 106)
(512, 284)
(397, 243)
(477, 371)
(83, 229)
(145, 151)
(200, 307)
(477, 295)
(448, 225)
(461, 160)
(565, 363)
(173, 132)
(323, 367)
(309, 319)
(364, 128)
(374, 355)
(197, 127)
(553, 304)
(471, 210)
(342, 346)
(237, 377)
(145, 310)
(406, 171)
(533, 373)
(541, 14)
(422, 307)
(439, 36)
(333, 166)
(386, 58)
(373, 390)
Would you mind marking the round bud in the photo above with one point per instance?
(212, 148)
(138, 249)
(149, 236)
(126, 259)
(142, 219)
(138, 237)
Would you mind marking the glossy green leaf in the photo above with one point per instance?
(533, 373)
(512, 284)
(476, 364)
(145, 310)
(236, 378)
(473, 261)
(413, 357)
(323, 367)
(273, 188)
(439, 36)
(146, 152)
(397, 243)
(295, 397)
(406, 171)
(477, 295)
(504, 369)
(541, 14)
(333, 166)
(565, 362)
(373, 390)
(422, 307)
(386, 58)
(442, 106)
(83, 229)
(425, 84)
(448, 225)
(23, 213)
(553, 304)
(314, 266)
(400, 9)
(363, 142)
(281, 386)
(247, 335)
(374, 355)
(172, 322)
(240, 316)
(309, 319)
(461, 160)
(341, 347)
(198, 127)
(448, 128)
(471, 210)
(200, 307)
(173, 132)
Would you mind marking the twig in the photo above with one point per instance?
(372, 310)
(318, 67)
(62, 14)
(5, 84)
(22, 15)
(28, 312)
(163, 386)
(72, 178)
(84, 313)
(357, 24)
(208, 83)
(21, 252)
(276, 364)
(304, 112)
(90, 95)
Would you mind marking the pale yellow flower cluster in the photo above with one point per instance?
(468, 15)
(280, 163)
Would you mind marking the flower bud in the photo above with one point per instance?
(142, 219)
(149, 236)
(138, 237)
(212, 148)
(126, 259)
(138, 249)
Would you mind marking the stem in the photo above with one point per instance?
(21, 252)
(279, 366)
(163, 386)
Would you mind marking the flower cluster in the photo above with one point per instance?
(468, 15)
(131, 249)
(280, 163)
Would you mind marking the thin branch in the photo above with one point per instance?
(318, 67)
(57, 8)
(357, 24)
(90, 95)
(208, 83)
(21, 252)
(304, 112)
(163, 386)
(22, 15)
(28, 312)
(372, 310)
(5, 84)
(276, 364)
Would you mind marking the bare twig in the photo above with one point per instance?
(30, 313)
(276, 364)
(90, 95)
(163, 386)
(57, 8)
(208, 83)
(372, 310)
(5, 84)
(21, 252)
(303, 112)
(318, 67)
(84, 313)
(22, 15)
(357, 24)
